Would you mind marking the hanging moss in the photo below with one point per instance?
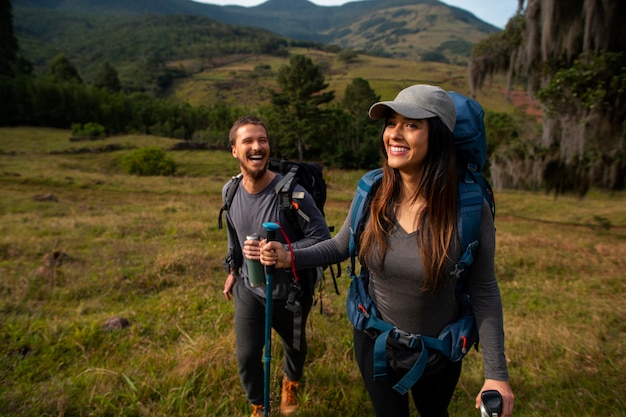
(570, 53)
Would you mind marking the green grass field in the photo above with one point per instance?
(82, 242)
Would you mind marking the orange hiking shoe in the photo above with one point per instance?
(257, 410)
(289, 397)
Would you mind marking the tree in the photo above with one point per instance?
(107, 78)
(571, 55)
(298, 104)
(8, 42)
(60, 69)
(363, 137)
(152, 75)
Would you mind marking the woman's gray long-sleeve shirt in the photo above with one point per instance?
(396, 287)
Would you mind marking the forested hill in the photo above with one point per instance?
(412, 29)
(136, 44)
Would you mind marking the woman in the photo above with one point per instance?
(410, 245)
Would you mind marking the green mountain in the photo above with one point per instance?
(134, 44)
(411, 29)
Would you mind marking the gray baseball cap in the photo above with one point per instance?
(419, 101)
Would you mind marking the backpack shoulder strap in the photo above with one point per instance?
(234, 259)
(228, 199)
(471, 200)
(364, 189)
(284, 193)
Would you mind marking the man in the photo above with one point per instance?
(255, 202)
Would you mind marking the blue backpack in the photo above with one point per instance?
(456, 339)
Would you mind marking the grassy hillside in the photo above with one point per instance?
(83, 243)
(411, 30)
(246, 79)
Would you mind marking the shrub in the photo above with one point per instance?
(434, 56)
(149, 161)
(501, 129)
(88, 130)
(347, 55)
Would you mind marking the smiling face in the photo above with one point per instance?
(406, 142)
(252, 149)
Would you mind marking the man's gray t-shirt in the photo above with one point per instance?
(248, 212)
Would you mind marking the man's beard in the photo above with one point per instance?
(255, 174)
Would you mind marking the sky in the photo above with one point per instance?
(496, 12)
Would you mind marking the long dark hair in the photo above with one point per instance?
(438, 223)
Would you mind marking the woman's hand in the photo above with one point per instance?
(504, 389)
(273, 253)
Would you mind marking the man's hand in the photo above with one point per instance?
(228, 286)
(251, 249)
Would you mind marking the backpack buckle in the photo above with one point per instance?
(293, 299)
(457, 271)
(405, 338)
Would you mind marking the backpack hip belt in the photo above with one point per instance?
(418, 342)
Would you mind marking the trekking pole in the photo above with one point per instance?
(271, 229)
(491, 404)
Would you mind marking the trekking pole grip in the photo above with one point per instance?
(271, 229)
(491, 404)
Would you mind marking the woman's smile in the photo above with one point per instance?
(406, 142)
(396, 150)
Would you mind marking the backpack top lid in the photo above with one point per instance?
(471, 141)
(308, 174)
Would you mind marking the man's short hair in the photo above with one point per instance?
(242, 121)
